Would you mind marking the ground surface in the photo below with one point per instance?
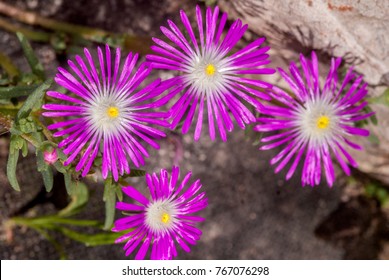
(252, 213)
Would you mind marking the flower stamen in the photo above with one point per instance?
(323, 122)
(165, 218)
(210, 70)
(113, 112)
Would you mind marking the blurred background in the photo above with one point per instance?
(252, 213)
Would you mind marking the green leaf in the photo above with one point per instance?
(28, 79)
(97, 239)
(40, 161)
(209, 2)
(253, 136)
(79, 196)
(61, 155)
(32, 59)
(16, 144)
(382, 99)
(68, 183)
(46, 145)
(373, 138)
(58, 41)
(370, 189)
(33, 100)
(75, 222)
(26, 125)
(48, 179)
(45, 170)
(374, 119)
(12, 162)
(119, 193)
(60, 168)
(109, 198)
(4, 81)
(382, 195)
(16, 91)
(51, 222)
(135, 173)
(98, 161)
(25, 149)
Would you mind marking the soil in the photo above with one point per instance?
(252, 213)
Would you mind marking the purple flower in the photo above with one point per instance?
(317, 121)
(211, 72)
(163, 219)
(107, 113)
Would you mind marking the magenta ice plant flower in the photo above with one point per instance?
(211, 72)
(105, 112)
(164, 219)
(315, 122)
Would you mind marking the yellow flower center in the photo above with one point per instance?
(113, 112)
(210, 70)
(323, 122)
(165, 218)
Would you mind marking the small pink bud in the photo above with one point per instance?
(50, 157)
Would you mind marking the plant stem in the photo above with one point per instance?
(30, 139)
(31, 35)
(35, 19)
(45, 131)
(136, 43)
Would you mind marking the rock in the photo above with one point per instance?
(354, 30)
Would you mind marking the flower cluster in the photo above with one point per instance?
(111, 109)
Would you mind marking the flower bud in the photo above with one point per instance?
(50, 157)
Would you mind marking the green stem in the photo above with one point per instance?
(45, 131)
(31, 35)
(49, 222)
(135, 43)
(35, 19)
(17, 221)
(30, 139)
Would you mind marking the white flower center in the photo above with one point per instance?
(206, 72)
(317, 120)
(161, 215)
(105, 113)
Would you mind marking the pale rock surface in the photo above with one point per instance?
(357, 31)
